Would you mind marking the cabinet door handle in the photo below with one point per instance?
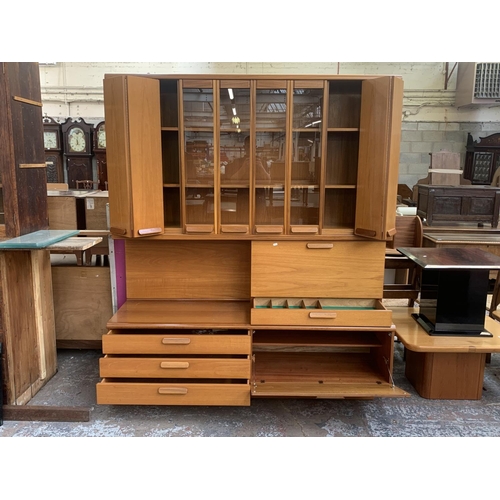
(268, 229)
(234, 229)
(200, 229)
(304, 229)
(179, 391)
(150, 230)
(174, 364)
(323, 315)
(175, 341)
(319, 245)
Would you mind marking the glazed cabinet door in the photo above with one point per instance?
(305, 152)
(271, 156)
(235, 156)
(378, 162)
(134, 155)
(198, 156)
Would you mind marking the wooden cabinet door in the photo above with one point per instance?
(378, 163)
(133, 140)
(22, 156)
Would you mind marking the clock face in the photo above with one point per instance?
(50, 140)
(101, 137)
(76, 140)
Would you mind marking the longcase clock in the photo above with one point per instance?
(100, 155)
(77, 147)
(53, 149)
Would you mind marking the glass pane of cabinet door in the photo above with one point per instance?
(234, 156)
(270, 157)
(198, 124)
(306, 159)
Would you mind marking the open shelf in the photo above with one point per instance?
(283, 339)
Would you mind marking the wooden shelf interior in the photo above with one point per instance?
(342, 158)
(169, 103)
(319, 367)
(340, 208)
(344, 104)
(317, 358)
(271, 340)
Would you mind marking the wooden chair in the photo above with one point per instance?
(409, 233)
(87, 184)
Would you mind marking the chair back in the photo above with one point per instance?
(409, 232)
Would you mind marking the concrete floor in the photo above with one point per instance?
(78, 373)
(290, 468)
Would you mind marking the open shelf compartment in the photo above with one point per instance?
(323, 364)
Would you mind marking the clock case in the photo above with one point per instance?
(100, 157)
(53, 156)
(78, 164)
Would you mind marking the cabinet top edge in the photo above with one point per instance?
(267, 76)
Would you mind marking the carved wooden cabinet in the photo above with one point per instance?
(255, 212)
(455, 204)
(482, 159)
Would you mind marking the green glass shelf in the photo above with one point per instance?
(38, 239)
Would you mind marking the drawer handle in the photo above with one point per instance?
(322, 315)
(319, 245)
(170, 341)
(174, 364)
(180, 391)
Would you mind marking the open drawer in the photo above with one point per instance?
(174, 367)
(118, 392)
(176, 342)
(320, 312)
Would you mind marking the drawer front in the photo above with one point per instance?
(119, 343)
(135, 393)
(115, 367)
(349, 269)
(320, 317)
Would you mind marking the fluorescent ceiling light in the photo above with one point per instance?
(234, 111)
(313, 123)
(231, 95)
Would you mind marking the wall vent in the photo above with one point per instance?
(478, 84)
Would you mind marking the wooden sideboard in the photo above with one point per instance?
(461, 204)
(254, 248)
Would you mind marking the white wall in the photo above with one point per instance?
(74, 89)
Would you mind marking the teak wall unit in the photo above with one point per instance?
(255, 212)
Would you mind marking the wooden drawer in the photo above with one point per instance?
(338, 269)
(117, 342)
(320, 312)
(156, 393)
(120, 367)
